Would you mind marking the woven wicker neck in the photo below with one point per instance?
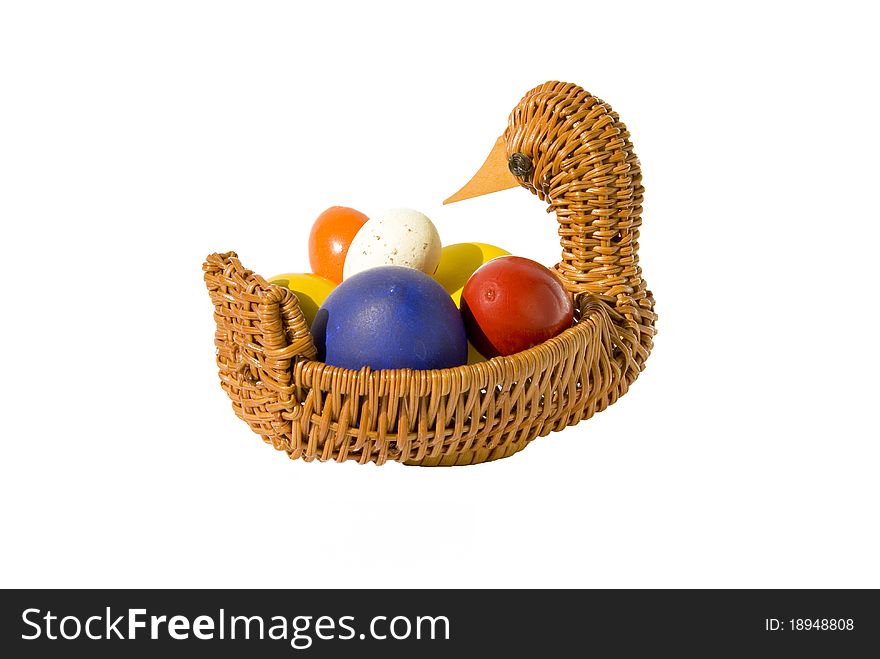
(583, 164)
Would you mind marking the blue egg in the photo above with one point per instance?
(390, 317)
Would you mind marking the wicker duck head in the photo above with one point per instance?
(569, 148)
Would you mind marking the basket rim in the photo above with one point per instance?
(594, 313)
(481, 370)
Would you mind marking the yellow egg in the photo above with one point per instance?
(458, 262)
(311, 290)
(474, 356)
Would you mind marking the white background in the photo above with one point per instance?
(135, 138)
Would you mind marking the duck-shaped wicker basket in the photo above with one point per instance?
(570, 149)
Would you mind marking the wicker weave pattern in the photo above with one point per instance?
(585, 167)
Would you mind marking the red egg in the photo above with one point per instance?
(330, 239)
(511, 304)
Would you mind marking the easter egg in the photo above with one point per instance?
(390, 317)
(458, 262)
(310, 289)
(474, 356)
(400, 236)
(330, 239)
(513, 303)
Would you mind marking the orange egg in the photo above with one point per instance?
(330, 239)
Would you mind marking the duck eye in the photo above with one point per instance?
(519, 165)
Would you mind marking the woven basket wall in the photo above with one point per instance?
(584, 166)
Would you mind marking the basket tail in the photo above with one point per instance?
(261, 334)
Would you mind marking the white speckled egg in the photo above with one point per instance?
(400, 236)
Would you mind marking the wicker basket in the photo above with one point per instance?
(572, 151)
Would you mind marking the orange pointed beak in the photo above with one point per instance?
(493, 176)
